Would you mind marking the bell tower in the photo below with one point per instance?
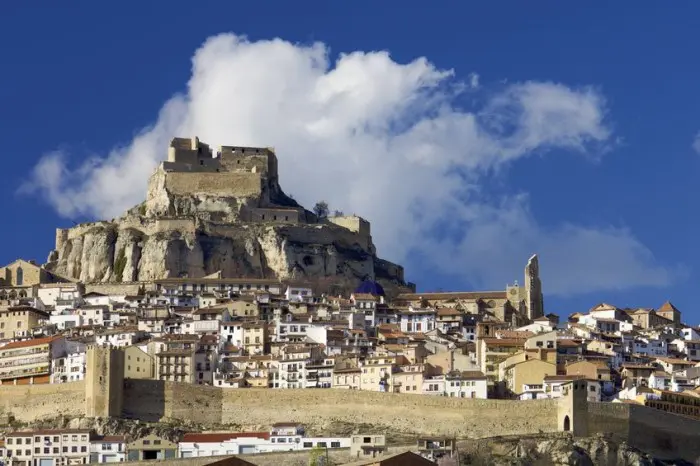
(534, 301)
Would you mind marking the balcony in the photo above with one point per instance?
(41, 370)
(25, 351)
(25, 362)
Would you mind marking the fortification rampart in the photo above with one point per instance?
(155, 400)
(389, 268)
(324, 234)
(79, 230)
(662, 434)
(30, 403)
(233, 184)
(121, 288)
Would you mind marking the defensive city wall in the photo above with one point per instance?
(662, 434)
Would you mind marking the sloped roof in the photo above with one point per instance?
(668, 307)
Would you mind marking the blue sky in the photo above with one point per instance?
(544, 127)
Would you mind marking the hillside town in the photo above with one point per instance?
(240, 333)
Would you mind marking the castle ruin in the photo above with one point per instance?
(220, 210)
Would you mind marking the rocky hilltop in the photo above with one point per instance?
(207, 213)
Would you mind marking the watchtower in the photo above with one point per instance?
(104, 382)
(572, 412)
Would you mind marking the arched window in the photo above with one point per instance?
(567, 424)
(20, 276)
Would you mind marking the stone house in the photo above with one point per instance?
(531, 372)
(367, 446)
(18, 321)
(138, 364)
(151, 447)
(492, 351)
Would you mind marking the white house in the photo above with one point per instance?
(416, 319)
(469, 384)
(66, 319)
(660, 380)
(69, 366)
(282, 437)
(554, 386)
(648, 347)
(299, 294)
(215, 444)
(366, 304)
(108, 449)
(61, 296)
(291, 328)
(601, 324)
(690, 333)
(119, 337)
(689, 348)
(96, 299)
(94, 315)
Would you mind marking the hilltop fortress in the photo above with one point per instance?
(222, 213)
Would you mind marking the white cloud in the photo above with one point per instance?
(474, 80)
(384, 140)
(696, 143)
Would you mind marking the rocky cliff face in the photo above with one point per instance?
(558, 450)
(201, 233)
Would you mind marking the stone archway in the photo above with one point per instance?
(567, 424)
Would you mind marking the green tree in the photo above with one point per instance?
(321, 209)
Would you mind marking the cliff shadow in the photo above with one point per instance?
(144, 400)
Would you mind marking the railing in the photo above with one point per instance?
(22, 352)
(24, 362)
(24, 372)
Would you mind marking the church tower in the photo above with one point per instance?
(534, 301)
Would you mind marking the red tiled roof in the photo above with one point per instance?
(28, 343)
(668, 307)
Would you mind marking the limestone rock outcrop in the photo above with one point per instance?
(228, 214)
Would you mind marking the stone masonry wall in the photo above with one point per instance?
(662, 434)
(666, 435)
(230, 184)
(319, 409)
(28, 403)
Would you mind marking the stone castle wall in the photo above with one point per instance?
(234, 184)
(255, 408)
(118, 288)
(662, 434)
(29, 403)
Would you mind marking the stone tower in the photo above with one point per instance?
(572, 411)
(104, 382)
(534, 301)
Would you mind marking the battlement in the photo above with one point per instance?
(353, 223)
(192, 156)
(189, 151)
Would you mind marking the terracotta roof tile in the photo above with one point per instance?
(29, 343)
